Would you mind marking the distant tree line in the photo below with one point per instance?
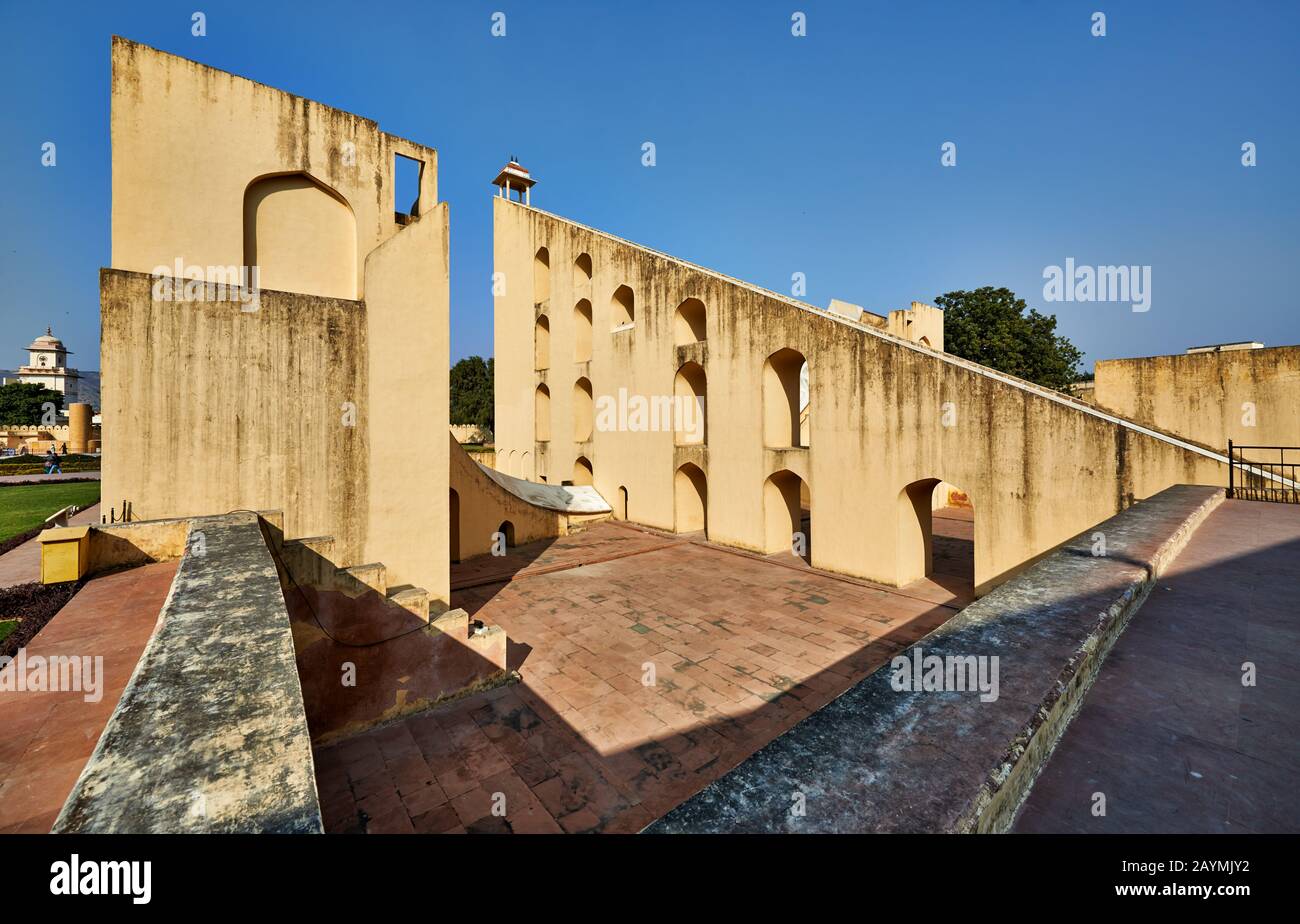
(22, 404)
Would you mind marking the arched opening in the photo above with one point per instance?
(541, 275)
(690, 389)
(936, 537)
(584, 410)
(782, 399)
(690, 500)
(582, 473)
(526, 465)
(542, 414)
(453, 524)
(582, 331)
(542, 343)
(512, 463)
(688, 323)
(622, 307)
(787, 513)
(301, 235)
(582, 269)
(924, 341)
(620, 504)
(507, 532)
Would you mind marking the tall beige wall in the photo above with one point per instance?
(1036, 470)
(211, 409)
(190, 140)
(301, 400)
(408, 318)
(1251, 397)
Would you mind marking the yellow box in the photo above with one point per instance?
(65, 553)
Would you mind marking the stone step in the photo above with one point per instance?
(310, 560)
(411, 598)
(373, 575)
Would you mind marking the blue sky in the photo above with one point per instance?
(775, 154)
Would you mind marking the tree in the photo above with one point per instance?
(471, 392)
(23, 404)
(990, 326)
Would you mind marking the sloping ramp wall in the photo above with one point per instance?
(888, 418)
(210, 734)
(485, 498)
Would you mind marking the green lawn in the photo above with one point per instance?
(24, 506)
(6, 627)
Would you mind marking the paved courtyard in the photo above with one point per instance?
(48, 736)
(650, 665)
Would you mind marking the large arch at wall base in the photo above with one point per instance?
(944, 553)
(784, 496)
(690, 500)
(301, 235)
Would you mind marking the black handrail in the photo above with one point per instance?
(1263, 479)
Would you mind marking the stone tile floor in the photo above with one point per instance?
(644, 677)
(1169, 733)
(46, 737)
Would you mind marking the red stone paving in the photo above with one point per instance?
(1169, 733)
(742, 648)
(46, 738)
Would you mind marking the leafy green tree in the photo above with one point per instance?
(471, 392)
(991, 327)
(23, 403)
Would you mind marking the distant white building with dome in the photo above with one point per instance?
(48, 366)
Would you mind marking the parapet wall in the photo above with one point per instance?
(887, 418)
(1249, 396)
(214, 409)
(210, 734)
(881, 759)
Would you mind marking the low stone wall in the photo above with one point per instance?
(210, 734)
(878, 759)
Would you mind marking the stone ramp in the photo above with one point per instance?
(210, 733)
(1170, 734)
(581, 499)
(881, 760)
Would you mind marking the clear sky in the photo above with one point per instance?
(775, 154)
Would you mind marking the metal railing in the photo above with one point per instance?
(1261, 478)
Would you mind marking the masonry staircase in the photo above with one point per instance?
(309, 562)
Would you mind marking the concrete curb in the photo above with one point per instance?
(943, 759)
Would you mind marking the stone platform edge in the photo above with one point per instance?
(880, 760)
(210, 734)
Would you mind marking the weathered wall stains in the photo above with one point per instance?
(1204, 397)
(300, 401)
(1037, 470)
(213, 408)
(189, 139)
